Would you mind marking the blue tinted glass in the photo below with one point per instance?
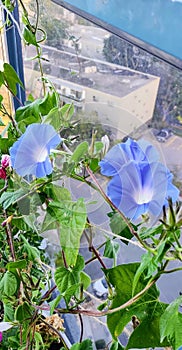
(156, 22)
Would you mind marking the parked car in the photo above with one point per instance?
(163, 135)
(100, 288)
(100, 344)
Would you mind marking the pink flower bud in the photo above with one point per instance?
(2, 173)
(1, 336)
(5, 160)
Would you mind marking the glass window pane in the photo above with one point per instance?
(111, 82)
(116, 88)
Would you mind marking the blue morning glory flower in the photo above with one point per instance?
(140, 183)
(124, 152)
(30, 153)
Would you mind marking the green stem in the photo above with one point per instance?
(172, 270)
(112, 205)
(176, 239)
(34, 30)
(96, 253)
(64, 259)
(7, 86)
(37, 17)
(90, 260)
(47, 294)
(41, 70)
(100, 190)
(81, 326)
(105, 312)
(4, 188)
(24, 8)
(90, 241)
(35, 188)
(11, 118)
(83, 179)
(9, 237)
(94, 257)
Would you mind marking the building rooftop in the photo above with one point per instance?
(102, 76)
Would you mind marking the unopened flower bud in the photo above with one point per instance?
(106, 143)
(7, 221)
(2, 173)
(5, 160)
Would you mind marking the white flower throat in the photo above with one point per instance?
(41, 154)
(144, 195)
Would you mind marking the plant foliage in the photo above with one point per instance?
(38, 287)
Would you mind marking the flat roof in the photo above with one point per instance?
(108, 78)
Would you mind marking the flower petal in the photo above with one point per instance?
(122, 153)
(141, 188)
(5, 160)
(29, 154)
(151, 154)
(140, 182)
(43, 168)
(124, 188)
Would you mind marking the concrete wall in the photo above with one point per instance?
(123, 114)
